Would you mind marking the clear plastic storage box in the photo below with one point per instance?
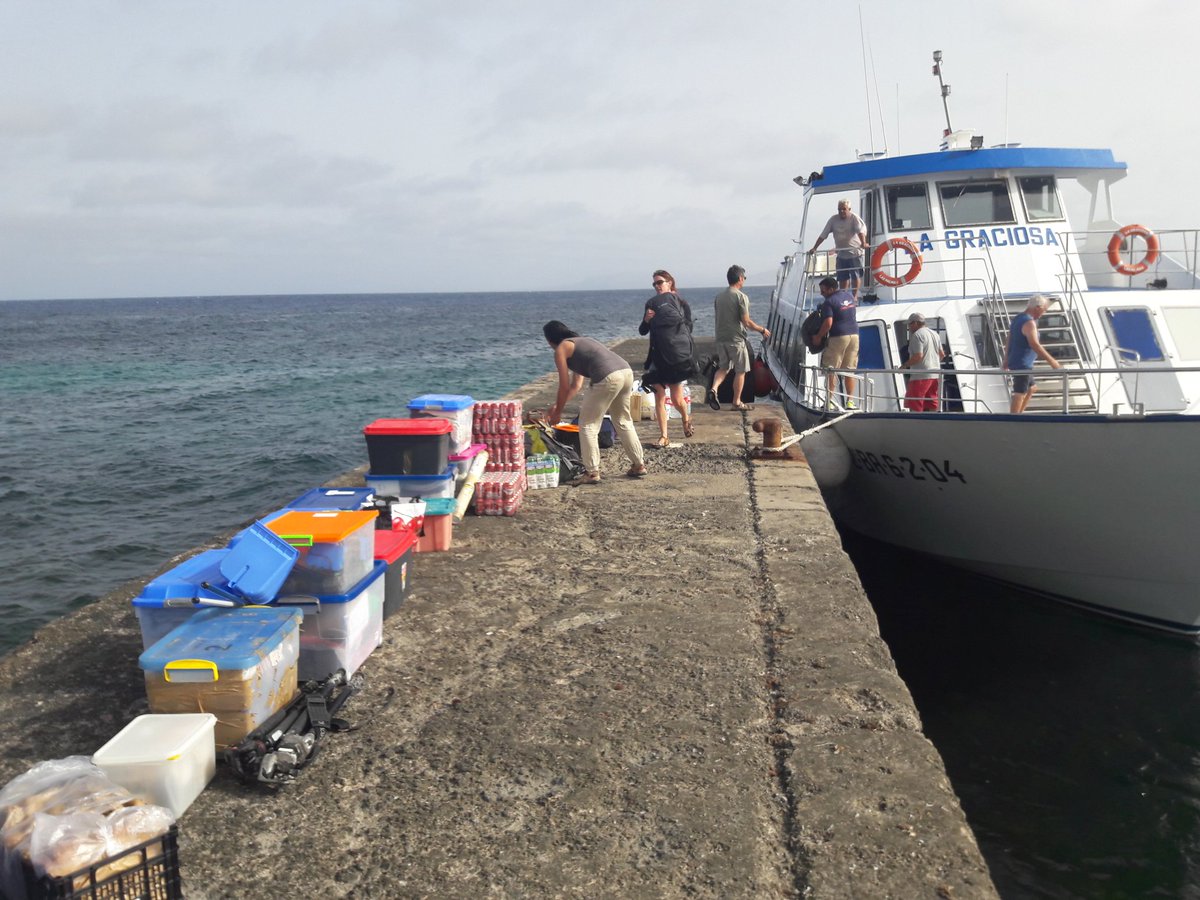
(420, 487)
(251, 570)
(238, 664)
(340, 630)
(458, 409)
(336, 548)
(334, 498)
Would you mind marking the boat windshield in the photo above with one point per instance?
(908, 207)
(976, 203)
(1041, 198)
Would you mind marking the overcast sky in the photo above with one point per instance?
(294, 146)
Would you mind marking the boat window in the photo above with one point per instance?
(872, 213)
(976, 203)
(872, 354)
(1040, 194)
(1132, 334)
(1184, 325)
(908, 207)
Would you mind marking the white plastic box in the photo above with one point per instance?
(166, 759)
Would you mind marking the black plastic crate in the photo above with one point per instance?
(153, 874)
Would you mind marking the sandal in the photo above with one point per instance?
(636, 472)
(688, 430)
(585, 478)
(713, 403)
(662, 443)
(743, 407)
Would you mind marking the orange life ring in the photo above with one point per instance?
(914, 266)
(1114, 249)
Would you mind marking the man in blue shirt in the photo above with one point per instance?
(841, 324)
(1022, 349)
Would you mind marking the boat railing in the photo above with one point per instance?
(1175, 265)
(955, 273)
(882, 390)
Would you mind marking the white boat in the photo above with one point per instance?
(1091, 495)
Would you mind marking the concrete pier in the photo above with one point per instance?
(662, 687)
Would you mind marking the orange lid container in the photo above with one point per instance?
(320, 526)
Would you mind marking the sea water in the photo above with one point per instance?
(133, 430)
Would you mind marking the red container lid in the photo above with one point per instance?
(391, 545)
(415, 427)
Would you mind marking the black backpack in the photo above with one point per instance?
(808, 331)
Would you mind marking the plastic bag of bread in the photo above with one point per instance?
(70, 790)
(60, 845)
(129, 827)
(31, 791)
(58, 787)
(135, 825)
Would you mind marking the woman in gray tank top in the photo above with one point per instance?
(578, 358)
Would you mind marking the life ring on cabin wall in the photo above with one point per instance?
(1130, 231)
(914, 264)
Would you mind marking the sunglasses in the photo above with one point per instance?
(657, 283)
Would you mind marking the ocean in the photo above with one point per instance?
(134, 430)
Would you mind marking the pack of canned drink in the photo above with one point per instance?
(497, 417)
(499, 493)
(498, 425)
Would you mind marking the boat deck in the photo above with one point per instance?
(660, 687)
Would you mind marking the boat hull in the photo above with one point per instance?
(1082, 508)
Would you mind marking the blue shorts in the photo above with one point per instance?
(849, 267)
(1022, 383)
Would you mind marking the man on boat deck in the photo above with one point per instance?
(925, 356)
(841, 324)
(1022, 349)
(850, 238)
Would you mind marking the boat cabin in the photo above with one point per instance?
(966, 236)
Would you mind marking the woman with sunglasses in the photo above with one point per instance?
(668, 320)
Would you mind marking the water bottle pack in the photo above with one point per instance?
(541, 471)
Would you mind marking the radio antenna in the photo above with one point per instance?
(866, 80)
(937, 70)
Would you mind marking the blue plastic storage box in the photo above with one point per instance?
(418, 487)
(334, 498)
(174, 596)
(238, 664)
(259, 564)
(251, 570)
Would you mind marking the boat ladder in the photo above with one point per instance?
(1058, 331)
